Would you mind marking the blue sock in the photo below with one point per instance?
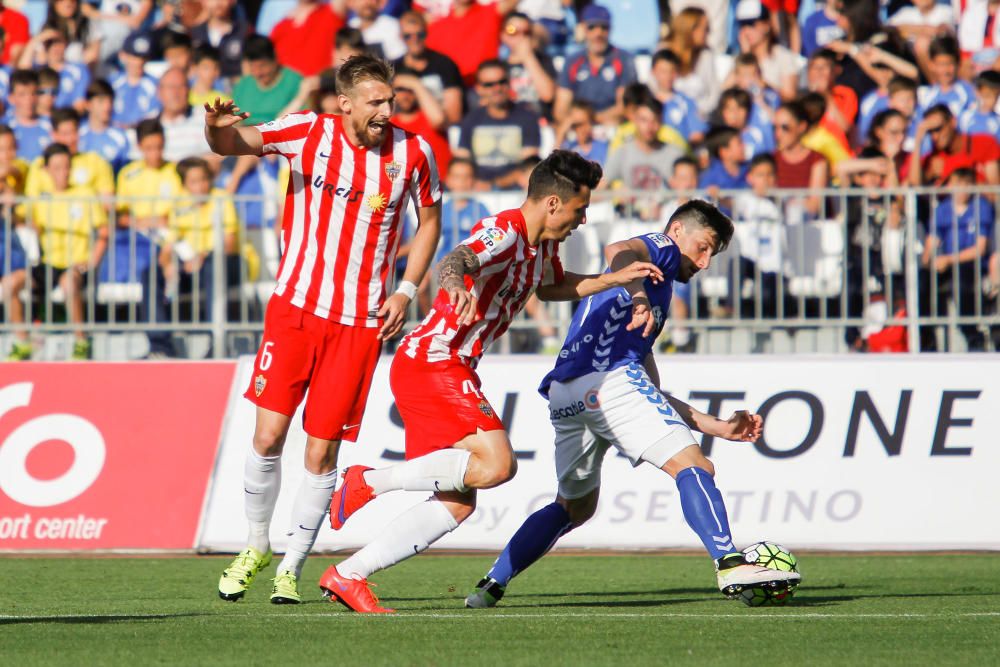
(531, 541)
(705, 511)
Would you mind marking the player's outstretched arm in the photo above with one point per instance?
(743, 426)
(575, 286)
(223, 134)
(460, 262)
(422, 251)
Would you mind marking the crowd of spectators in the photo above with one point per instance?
(731, 97)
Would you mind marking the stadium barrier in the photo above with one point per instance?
(811, 271)
(858, 453)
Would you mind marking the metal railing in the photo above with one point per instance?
(807, 271)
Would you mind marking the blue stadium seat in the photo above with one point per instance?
(35, 11)
(271, 12)
(125, 266)
(635, 24)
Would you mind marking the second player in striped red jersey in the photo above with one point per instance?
(351, 178)
(455, 441)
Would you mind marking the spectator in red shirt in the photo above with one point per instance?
(302, 40)
(841, 101)
(417, 111)
(951, 151)
(798, 166)
(16, 32)
(469, 34)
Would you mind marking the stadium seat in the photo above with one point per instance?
(635, 24)
(271, 12)
(721, 279)
(35, 11)
(126, 263)
(815, 258)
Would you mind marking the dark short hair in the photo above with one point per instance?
(700, 213)
(762, 158)
(492, 63)
(54, 149)
(357, 69)
(738, 95)
(684, 160)
(584, 106)
(746, 60)
(5, 130)
(172, 39)
(824, 54)
(349, 37)
(814, 105)
(649, 101)
(23, 77)
(190, 164)
(99, 88)
(870, 153)
(796, 109)
(964, 173)
(718, 138)
(634, 93)
(206, 52)
(258, 47)
(147, 128)
(666, 55)
(563, 174)
(47, 74)
(988, 79)
(517, 15)
(899, 83)
(944, 45)
(940, 109)
(64, 114)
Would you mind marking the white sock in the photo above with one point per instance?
(409, 534)
(261, 484)
(443, 470)
(311, 505)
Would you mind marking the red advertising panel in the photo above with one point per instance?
(106, 455)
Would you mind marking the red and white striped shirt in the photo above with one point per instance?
(343, 212)
(510, 271)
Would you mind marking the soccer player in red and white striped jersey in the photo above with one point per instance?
(455, 441)
(352, 177)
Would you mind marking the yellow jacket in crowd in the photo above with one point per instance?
(65, 222)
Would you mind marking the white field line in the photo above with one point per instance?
(517, 615)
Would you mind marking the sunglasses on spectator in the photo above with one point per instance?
(513, 31)
(598, 26)
(422, 34)
(493, 84)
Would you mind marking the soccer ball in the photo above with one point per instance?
(776, 557)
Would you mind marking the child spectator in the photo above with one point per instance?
(679, 111)
(32, 132)
(177, 50)
(73, 78)
(841, 101)
(12, 176)
(635, 95)
(576, 133)
(900, 94)
(89, 170)
(948, 89)
(189, 239)
(983, 118)
(135, 91)
(747, 75)
(956, 252)
(67, 220)
(146, 187)
(683, 181)
(225, 29)
(97, 134)
(727, 169)
(48, 89)
(736, 109)
(207, 70)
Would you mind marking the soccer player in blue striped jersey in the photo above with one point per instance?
(604, 391)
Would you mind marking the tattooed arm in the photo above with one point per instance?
(457, 264)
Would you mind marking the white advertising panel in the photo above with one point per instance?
(858, 452)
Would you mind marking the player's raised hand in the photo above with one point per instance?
(223, 114)
(743, 426)
(394, 312)
(463, 303)
(635, 271)
(642, 316)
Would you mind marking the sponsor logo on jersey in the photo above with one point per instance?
(392, 170)
(259, 383)
(486, 409)
(566, 411)
(331, 190)
(376, 202)
(659, 240)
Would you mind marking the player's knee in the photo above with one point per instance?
(501, 467)
(268, 442)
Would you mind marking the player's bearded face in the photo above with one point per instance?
(368, 108)
(696, 245)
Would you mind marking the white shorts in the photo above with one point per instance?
(622, 408)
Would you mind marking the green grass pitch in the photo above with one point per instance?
(566, 610)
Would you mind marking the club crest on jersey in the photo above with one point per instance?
(659, 240)
(392, 170)
(259, 383)
(376, 202)
(486, 409)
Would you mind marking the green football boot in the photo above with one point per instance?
(285, 589)
(237, 578)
